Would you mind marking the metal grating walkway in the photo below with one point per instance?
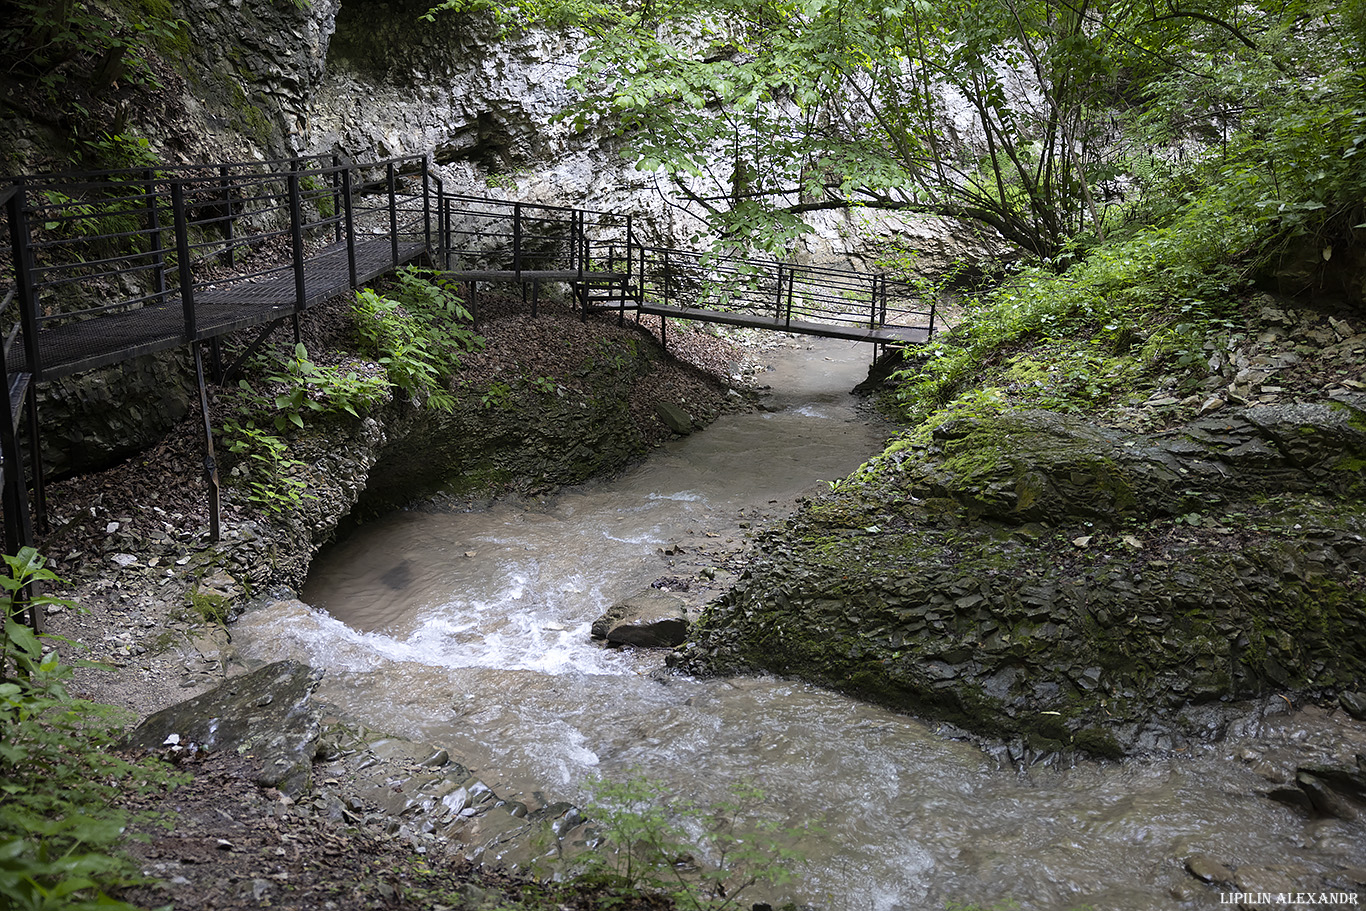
(219, 308)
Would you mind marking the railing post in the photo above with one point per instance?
(577, 241)
(230, 222)
(350, 225)
(182, 246)
(666, 278)
(517, 238)
(426, 207)
(882, 311)
(23, 280)
(872, 306)
(393, 211)
(336, 197)
(296, 243)
(791, 278)
(778, 308)
(929, 333)
(446, 218)
(154, 225)
(630, 248)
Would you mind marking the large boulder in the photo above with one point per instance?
(268, 714)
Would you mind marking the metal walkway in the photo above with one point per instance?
(109, 266)
(598, 257)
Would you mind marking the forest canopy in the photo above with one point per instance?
(1056, 124)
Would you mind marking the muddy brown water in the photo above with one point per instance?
(470, 630)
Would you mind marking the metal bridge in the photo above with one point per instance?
(104, 267)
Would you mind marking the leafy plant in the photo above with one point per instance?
(59, 828)
(293, 387)
(268, 469)
(299, 386)
(657, 835)
(498, 395)
(418, 335)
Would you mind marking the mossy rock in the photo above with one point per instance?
(1072, 623)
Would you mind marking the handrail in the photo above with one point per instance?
(169, 231)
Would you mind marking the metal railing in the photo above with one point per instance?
(493, 236)
(791, 296)
(126, 246)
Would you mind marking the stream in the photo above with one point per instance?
(471, 630)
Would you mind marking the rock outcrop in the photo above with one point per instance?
(1027, 573)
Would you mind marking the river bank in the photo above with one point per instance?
(132, 540)
(152, 596)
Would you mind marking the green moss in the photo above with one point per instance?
(210, 606)
(1097, 742)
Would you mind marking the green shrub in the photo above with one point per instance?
(418, 334)
(59, 772)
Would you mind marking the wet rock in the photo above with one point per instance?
(653, 618)
(266, 713)
(1295, 798)
(1325, 798)
(1206, 869)
(675, 418)
(1354, 703)
(1110, 648)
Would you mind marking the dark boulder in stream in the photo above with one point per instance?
(1027, 574)
(648, 619)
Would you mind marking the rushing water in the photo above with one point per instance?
(470, 629)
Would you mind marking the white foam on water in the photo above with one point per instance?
(682, 496)
(459, 636)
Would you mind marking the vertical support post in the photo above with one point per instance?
(393, 211)
(791, 279)
(778, 307)
(230, 220)
(18, 522)
(663, 332)
(23, 281)
(349, 219)
(666, 278)
(442, 260)
(450, 229)
(934, 302)
(426, 207)
(35, 446)
(154, 227)
(182, 246)
(577, 242)
(296, 246)
(336, 197)
(210, 464)
(882, 310)
(872, 306)
(630, 262)
(517, 239)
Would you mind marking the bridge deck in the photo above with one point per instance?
(885, 334)
(219, 308)
(539, 275)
